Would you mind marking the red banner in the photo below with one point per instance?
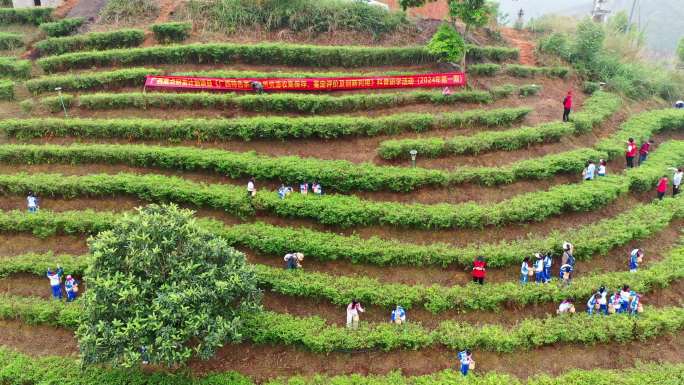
(451, 79)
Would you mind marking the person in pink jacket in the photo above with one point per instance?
(567, 106)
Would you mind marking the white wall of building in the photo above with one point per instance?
(32, 3)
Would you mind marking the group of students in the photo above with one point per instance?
(591, 171)
(622, 301)
(664, 182)
(284, 191)
(643, 151)
(70, 284)
(540, 269)
(304, 188)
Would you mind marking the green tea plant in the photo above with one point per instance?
(32, 16)
(91, 41)
(87, 81)
(257, 127)
(265, 53)
(14, 68)
(10, 41)
(312, 333)
(304, 103)
(596, 109)
(20, 369)
(63, 27)
(171, 32)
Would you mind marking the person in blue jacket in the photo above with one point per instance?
(525, 271)
(634, 303)
(593, 303)
(634, 258)
(539, 268)
(548, 262)
(398, 315)
(71, 287)
(466, 359)
(56, 282)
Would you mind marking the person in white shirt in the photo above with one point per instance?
(566, 307)
(603, 300)
(353, 310)
(32, 202)
(676, 179)
(589, 171)
(251, 188)
(602, 168)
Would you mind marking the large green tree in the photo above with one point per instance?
(160, 282)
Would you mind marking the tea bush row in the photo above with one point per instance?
(347, 211)
(312, 333)
(103, 80)
(596, 110)
(340, 290)
(15, 68)
(304, 103)
(20, 369)
(91, 41)
(10, 41)
(265, 53)
(31, 16)
(641, 222)
(63, 27)
(258, 127)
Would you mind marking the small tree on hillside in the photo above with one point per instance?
(447, 44)
(680, 50)
(473, 13)
(160, 284)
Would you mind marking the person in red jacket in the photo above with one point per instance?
(479, 270)
(631, 152)
(567, 106)
(662, 187)
(644, 150)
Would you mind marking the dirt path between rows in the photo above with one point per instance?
(524, 43)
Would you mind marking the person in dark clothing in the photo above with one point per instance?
(567, 106)
(257, 86)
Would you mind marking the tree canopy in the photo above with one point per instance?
(161, 284)
(680, 50)
(447, 44)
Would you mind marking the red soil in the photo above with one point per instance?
(522, 42)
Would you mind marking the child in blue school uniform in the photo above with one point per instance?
(625, 299)
(466, 359)
(566, 274)
(593, 303)
(56, 282)
(603, 300)
(525, 271)
(398, 315)
(71, 287)
(635, 257)
(634, 303)
(539, 269)
(548, 262)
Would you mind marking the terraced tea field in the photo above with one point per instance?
(497, 175)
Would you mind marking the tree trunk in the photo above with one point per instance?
(465, 52)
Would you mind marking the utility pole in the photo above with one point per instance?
(631, 14)
(600, 11)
